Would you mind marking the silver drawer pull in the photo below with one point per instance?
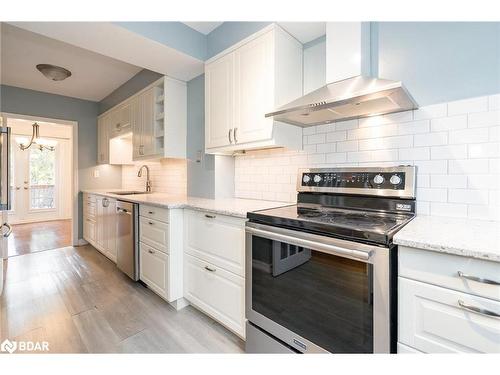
(151, 212)
(210, 216)
(151, 251)
(150, 223)
(478, 310)
(9, 230)
(210, 269)
(478, 279)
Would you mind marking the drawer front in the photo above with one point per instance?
(89, 197)
(154, 233)
(443, 270)
(154, 269)
(217, 239)
(218, 293)
(156, 213)
(431, 320)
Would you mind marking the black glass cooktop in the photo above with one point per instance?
(358, 225)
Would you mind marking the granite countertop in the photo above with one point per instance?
(465, 237)
(223, 206)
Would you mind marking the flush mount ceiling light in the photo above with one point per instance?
(53, 72)
(36, 141)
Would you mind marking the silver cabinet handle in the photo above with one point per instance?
(210, 216)
(9, 229)
(151, 251)
(150, 223)
(476, 278)
(210, 269)
(151, 212)
(235, 139)
(105, 202)
(18, 187)
(478, 310)
(229, 135)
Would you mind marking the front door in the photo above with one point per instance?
(34, 189)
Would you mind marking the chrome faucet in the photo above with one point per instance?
(148, 181)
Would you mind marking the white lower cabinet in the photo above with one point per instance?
(161, 252)
(219, 293)
(214, 268)
(154, 269)
(99, 224)
(440, 310)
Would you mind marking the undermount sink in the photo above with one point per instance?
(127, 192)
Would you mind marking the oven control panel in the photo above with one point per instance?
(357, 180)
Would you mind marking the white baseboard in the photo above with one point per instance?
(179, 304)
(81, 242)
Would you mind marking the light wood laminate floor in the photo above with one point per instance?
(78, 301)
(33, 237)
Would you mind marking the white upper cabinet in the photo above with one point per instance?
(219, 101)
(156, 117)
(244, 83)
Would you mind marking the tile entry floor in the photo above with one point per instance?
(33, 237)
(78, 301)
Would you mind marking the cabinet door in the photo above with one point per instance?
(100, 226)
(147, 117)
(219, 101)
(89, 230)
(136, 127)
(254, 89)
(219, 293)
(110, 230)
(103, 140)
(154, 269)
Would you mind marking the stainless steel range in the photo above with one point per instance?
(321, 274)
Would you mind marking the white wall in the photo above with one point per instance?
(455, 145)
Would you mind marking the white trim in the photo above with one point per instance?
(74, 188)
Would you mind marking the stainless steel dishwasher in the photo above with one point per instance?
(127, 241)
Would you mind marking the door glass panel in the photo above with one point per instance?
(326, 299)
(42, 179)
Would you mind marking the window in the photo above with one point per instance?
(42, 179)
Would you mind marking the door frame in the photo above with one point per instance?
(74, 181)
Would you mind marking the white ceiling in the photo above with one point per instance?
(94, 76)
(305, 31)
(203, 27)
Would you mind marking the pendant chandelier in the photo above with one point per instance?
(35, 141)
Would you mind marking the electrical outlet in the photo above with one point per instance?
(96, 173)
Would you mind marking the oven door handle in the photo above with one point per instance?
(314, 245)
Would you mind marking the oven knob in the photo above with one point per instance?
(395, 179)
(306, 178)
(317, 178)
(378, 179)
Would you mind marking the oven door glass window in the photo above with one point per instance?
(324, 298)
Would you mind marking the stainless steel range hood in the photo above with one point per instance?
(351, 98)
(354, 97)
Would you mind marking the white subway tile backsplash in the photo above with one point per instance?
(418, 153)
(479, 104)
(430, 139)
(431, 111)
(469, 136)
(482, 119)
(455, 146)
(449, 123)
(449, 152)
(468, 196)
(384, 143)
(448, 181)
(414, 127)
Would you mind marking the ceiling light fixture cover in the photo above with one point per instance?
(54, 72)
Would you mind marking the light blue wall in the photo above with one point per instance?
(441, 61)
(200, 176)
(230, 33)
(35, 103)
(129, 88)
(173, 34)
